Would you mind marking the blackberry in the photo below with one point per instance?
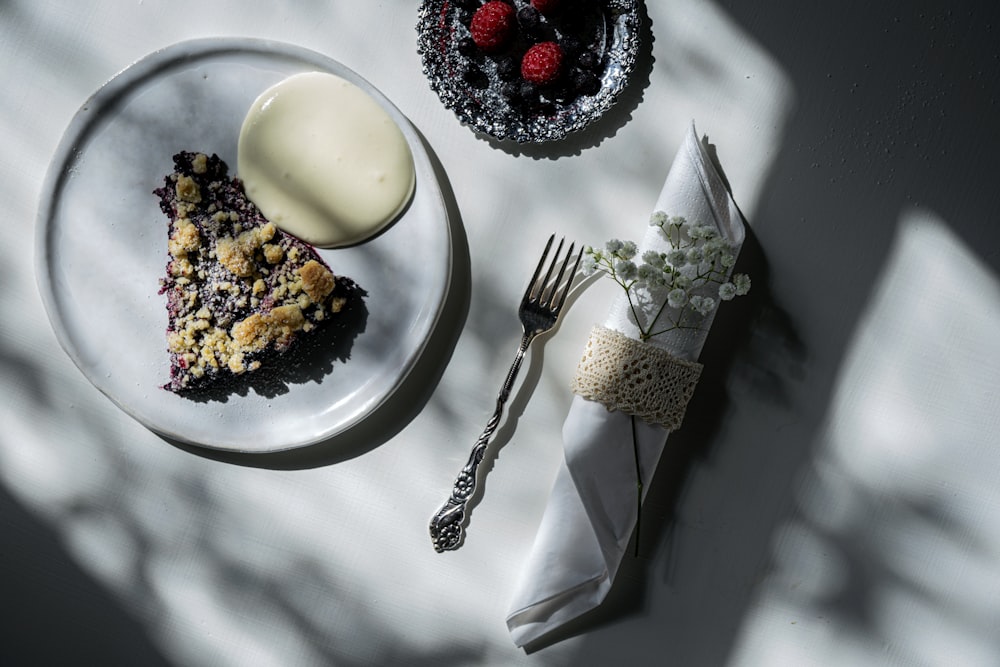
(511, 91)
(474, 76)
(508, 68)
(563, 91)
(528, 94)
(467, 47)
(588, 60)
(529, 18)
(586, 83)
(571, 46)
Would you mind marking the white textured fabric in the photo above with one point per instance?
(592, 509)
(625, 374)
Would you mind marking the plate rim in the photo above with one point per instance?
(83, 121)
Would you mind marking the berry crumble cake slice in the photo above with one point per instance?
(239, 291)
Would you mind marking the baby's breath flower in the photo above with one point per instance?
(677, 258)
(713, 248)
(698, 258)
(676, 297)
(703, 305)
(651, 276)
(628, 250)
(626, 269)
(654, 258)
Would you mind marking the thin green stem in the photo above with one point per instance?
(643, 334)
(656, 318)
(674, 327)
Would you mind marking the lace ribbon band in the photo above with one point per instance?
(635, 378)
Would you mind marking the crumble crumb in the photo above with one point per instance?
(188, 190)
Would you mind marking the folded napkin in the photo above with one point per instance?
(592, 510)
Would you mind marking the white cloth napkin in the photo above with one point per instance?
(592, 509)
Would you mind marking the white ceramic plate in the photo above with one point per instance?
(101, 250)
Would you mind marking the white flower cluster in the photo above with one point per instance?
(698, 260)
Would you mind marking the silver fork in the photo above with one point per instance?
(539, 311)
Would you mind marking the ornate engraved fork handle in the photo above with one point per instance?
(447, 527)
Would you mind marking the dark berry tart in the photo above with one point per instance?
(576, 57)
(239, 291)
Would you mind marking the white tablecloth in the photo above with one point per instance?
(830, 501)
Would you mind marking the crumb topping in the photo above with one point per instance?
(317, 280)
(188, 190)
(273, 253)
(262, 329)
(185, 238)
(199, 164)
(237, 288)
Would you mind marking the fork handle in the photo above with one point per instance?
(447, 526)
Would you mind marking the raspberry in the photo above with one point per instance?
(492, 25)
(546, 6)
(542, 63)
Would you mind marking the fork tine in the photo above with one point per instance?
(538, 269)
(569, 280)
(545, 288)
(552, 295)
